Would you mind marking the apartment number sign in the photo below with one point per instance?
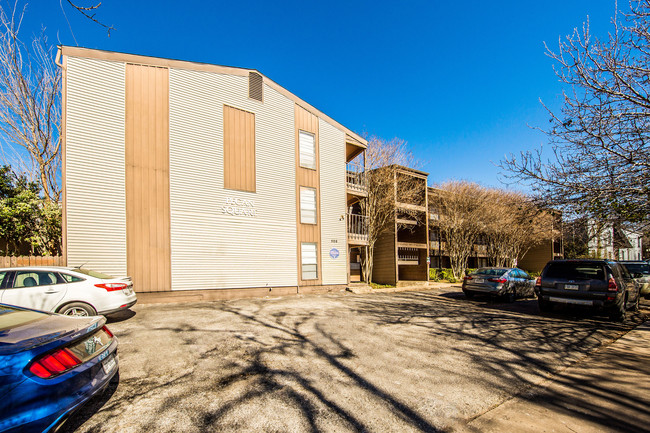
(239, 207)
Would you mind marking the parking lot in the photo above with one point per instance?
(405, 361)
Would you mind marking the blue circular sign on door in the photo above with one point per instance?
(334, 253)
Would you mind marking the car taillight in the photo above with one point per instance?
(111, 287)
(467, 277)
(611, 285)
(109, 333)
(538, 281)
(55, 363)
(497, 280)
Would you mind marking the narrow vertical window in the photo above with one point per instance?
(307, 150)
(309, 261)
(308, 205)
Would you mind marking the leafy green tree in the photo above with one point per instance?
(27, 221)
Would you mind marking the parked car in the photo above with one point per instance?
(640, 271)
(508, 282)
(50, 365)
(70, 291)
(599, 284)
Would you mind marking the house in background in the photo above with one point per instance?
(202, 181)
(612, 241)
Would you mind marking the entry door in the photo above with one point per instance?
(147, 178)
(40, 290)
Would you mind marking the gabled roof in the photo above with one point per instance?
(90, 53)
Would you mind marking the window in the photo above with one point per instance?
(71, 278)
(238, 149)
(309, 261)
(308, 205)
(35, 278)
(307, 150)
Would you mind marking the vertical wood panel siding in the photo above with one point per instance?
(94, 159)
(333, 203)
(308, 122)
(210, 248)
(147, 177)
(238, 149)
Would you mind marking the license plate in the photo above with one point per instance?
(479, 280)
(571, 286)
(109, 364)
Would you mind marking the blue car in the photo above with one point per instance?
(50, 365)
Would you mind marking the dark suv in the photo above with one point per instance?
(600, 284)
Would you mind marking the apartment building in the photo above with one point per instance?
(533, 260)
(401, 253)
(203, 181)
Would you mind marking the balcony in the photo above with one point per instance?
(435, 246)
(480, 250)
(356, 179)
(408, 256)
(357, 229)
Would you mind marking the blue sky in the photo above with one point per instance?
(459, 81)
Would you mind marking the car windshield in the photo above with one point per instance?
(94, 274)
(13, 317)
(576, 271)
(490, 271)
(638, 268)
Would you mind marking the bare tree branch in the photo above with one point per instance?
(599, 159)
(90, 13)
(30, 105)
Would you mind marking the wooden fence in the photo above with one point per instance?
(10, 262)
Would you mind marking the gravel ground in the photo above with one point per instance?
(409, 361)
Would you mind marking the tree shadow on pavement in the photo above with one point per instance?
(411, 361)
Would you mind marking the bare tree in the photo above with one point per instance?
(383, 161)
(460, 207)
(599, 164)
(30, 109)
(513, 225)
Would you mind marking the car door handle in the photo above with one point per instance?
(51, 291)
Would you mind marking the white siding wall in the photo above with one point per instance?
(333, 203)
(210, 249)
(94, 183)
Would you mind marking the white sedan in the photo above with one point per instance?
(70, 291)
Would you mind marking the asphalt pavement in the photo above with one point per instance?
(427, 360)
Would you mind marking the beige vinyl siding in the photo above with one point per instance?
(94, 180)
(332, 203)
(212, 249)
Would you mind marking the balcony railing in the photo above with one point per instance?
(408, 256)
(481, 249)
(356, 178)
(357, 227)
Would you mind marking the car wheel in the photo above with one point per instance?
(618, 312)
(511, 297)
(636, 303)
(468, 295)
(544, 306)
(77, 309)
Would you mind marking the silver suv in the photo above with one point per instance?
(599, 284)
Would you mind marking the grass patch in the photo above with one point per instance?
(381, 286)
